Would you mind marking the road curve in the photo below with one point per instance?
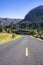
(14, 52)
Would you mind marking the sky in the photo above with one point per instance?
(17, 8)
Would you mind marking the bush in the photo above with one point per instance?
(9, 31)
(3, 30)
(13, 35)
(32, 32)
(0, 28)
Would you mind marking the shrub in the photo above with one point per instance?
(9, 31)
(33, 32)
(0, 28)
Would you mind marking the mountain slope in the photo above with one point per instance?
(36, 13)
(7, 21)
(33, 19)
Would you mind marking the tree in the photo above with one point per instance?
(0, 28)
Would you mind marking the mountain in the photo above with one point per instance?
(7, 21)
(35, 14)
(33, 19)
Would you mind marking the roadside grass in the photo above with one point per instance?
(5, 37)
(37, 38)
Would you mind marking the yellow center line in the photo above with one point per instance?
(26, 51)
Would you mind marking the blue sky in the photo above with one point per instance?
(17, 8)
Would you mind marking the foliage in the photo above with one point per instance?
(9, 30)
(0, 28)
(3, 30)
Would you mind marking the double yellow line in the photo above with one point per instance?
(27, 52)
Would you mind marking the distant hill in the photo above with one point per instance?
(7, 21)
(33, 19)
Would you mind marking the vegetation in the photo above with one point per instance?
(5, 37)
(32, 24)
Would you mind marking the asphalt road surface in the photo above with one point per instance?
(14, 52)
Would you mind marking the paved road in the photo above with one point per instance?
(14, 53)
